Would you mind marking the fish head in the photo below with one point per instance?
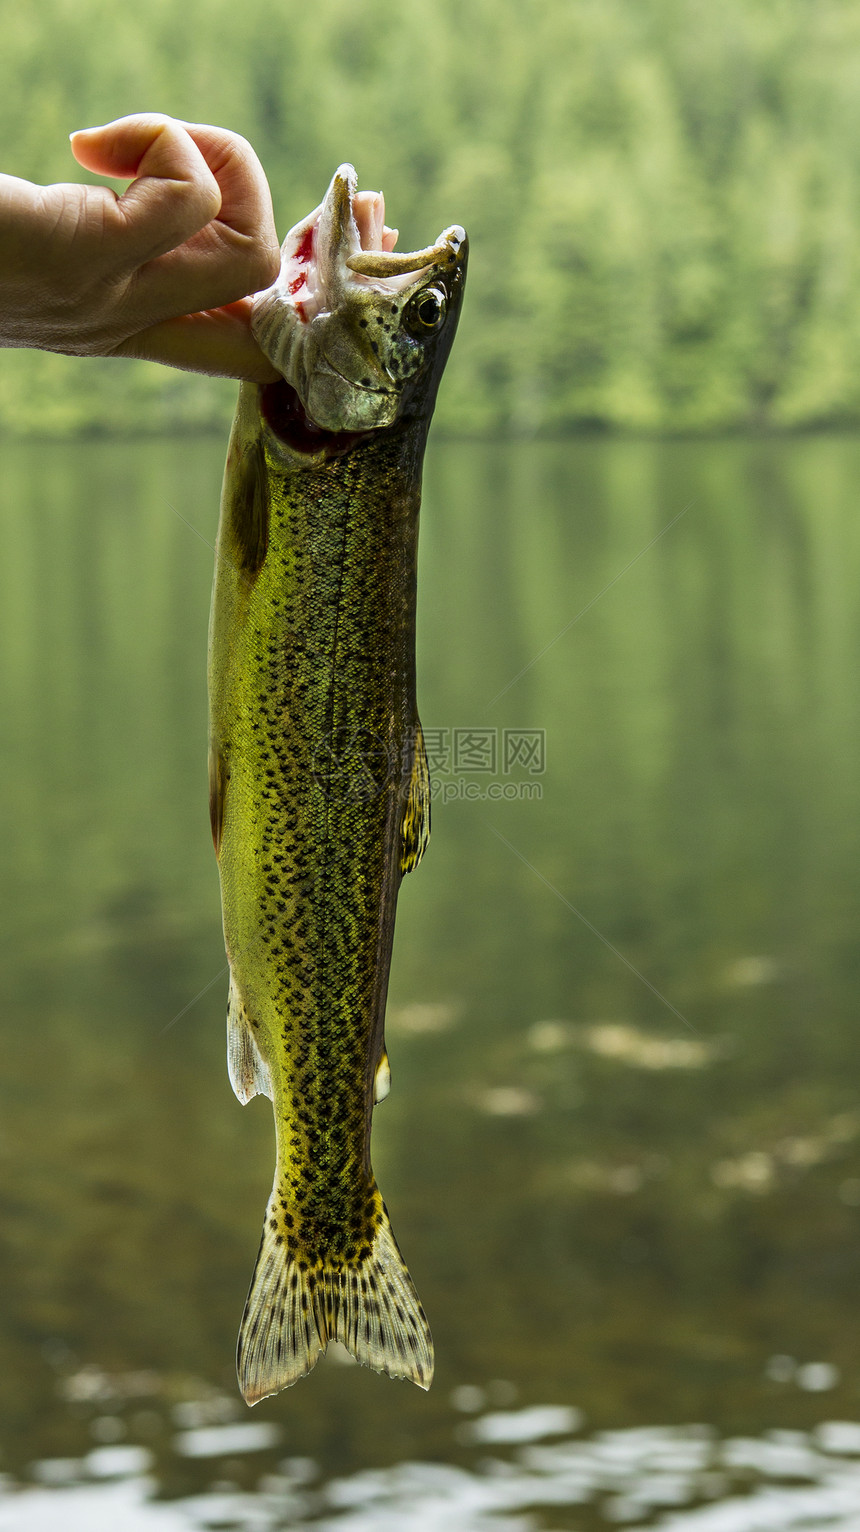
(360, 332)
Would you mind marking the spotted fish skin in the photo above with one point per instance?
(320, 803)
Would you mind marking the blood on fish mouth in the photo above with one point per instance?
(280, 404)
(300, 278)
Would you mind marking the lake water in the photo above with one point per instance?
(622, 1147)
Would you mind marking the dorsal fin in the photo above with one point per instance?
(250, 510)
(415, 826)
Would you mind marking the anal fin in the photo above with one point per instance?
(415, 827)
(249, 1072)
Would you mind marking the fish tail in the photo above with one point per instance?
(296, 1306)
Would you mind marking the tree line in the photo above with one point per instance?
(663, 197)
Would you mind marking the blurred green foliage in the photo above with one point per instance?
(662, 195)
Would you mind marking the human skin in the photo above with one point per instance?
(163, 272)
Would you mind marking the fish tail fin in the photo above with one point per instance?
(296, 1306)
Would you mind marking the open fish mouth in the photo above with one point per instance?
(333, 321)
(347, 237)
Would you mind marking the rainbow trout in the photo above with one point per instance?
(319, 789)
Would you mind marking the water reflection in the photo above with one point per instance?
(648, 1213)
(679, 1478)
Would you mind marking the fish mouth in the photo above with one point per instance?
(326, 365)
(346, 242)
(338, 266)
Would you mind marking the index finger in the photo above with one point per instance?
(216, 341)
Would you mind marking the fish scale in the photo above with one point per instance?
(318, 784)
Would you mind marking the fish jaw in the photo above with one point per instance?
(343, 321)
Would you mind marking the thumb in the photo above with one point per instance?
(173, 192)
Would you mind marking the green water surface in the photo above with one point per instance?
(622, 1148)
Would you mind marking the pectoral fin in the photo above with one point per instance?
(217, 788)
(250, 511)
(249, 1072)
(415, 829)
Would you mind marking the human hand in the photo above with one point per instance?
(163, 271)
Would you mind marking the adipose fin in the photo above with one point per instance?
(382, 1079)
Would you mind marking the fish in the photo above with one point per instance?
(318, 782)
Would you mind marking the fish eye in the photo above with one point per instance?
(426, 311)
